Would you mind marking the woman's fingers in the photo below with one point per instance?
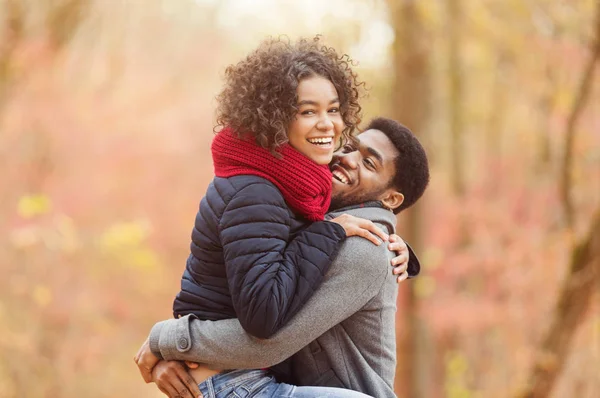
(368, 230)
(355, 226)
(400, 259)
(374, 229)
(403, 277)
(365, 233)
(398, 247)
(400, 262)
(400, 269)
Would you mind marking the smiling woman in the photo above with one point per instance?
(260, 97)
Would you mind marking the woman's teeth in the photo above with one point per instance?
(320, 141)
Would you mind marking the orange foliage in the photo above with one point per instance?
(104, 152)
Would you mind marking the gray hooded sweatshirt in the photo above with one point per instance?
(343, 337)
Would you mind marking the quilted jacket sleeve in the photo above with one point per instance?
(270, 275)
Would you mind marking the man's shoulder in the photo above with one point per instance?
(360, 253)
(377, 214)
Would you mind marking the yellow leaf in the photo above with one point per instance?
(432, 258)
(144, 259)
(123, 235)
(456, 364)
(33, 205)
(42, 296)
(424, 286)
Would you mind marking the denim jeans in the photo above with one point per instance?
(260, 384)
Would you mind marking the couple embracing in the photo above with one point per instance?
(291, 284)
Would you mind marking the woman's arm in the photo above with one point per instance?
(271, 273)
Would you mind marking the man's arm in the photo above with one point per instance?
(356, 275)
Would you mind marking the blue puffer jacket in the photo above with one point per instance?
(252, 258)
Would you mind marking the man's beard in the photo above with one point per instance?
(341, 200)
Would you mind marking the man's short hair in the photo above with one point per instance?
(412, 168)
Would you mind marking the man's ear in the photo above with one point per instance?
(392, 199)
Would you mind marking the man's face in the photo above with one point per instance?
(364, 172)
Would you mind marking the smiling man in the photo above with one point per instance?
(344, 336)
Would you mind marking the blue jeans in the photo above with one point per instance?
(260, 384)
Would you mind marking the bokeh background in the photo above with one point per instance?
(106, 116)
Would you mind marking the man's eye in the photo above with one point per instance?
(369, 163)
(348, 148)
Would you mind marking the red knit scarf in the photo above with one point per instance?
(305, 185)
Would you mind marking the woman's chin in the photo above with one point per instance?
(320, 158)
(323, 160)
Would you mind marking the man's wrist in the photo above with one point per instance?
(154, 339)
(171, 338)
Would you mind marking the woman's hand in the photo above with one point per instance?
(400, 262)
(355, 226)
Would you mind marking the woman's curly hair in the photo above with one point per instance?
(259, 96)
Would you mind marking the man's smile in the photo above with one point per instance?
(340, 174)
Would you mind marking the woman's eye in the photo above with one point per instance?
(308, 112)
(334, 110)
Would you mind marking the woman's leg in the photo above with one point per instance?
(288, 391)
(260, 384)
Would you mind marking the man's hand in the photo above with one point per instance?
(400, 262)
(173, 379)
(145, 360)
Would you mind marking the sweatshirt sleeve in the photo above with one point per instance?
(356, 276)
(272, 273)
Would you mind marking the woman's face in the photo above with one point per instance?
(318, 124)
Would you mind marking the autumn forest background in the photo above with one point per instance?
(106, 116)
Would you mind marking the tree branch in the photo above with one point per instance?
(578, 106)
(571, 307)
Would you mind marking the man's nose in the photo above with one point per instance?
(348, 160)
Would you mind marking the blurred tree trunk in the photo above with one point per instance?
(12, 33)
(584, 270)
(410, 105)
(455, 106)
(456, 97)
(571, 308)
(578, 106)
(61, 20)
(547, 104)
(548, 27)
(499, 107)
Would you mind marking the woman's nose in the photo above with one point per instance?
(325, 123)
